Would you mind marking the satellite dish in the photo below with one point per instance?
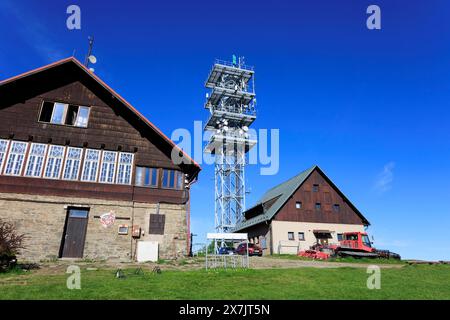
(92, 59)
(91, 69)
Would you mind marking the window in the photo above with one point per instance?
(61, 113)
(124, 170)
(108, 167)
(172, 179)
(298, 205)
(340, 236)
(16, 158)
(78, 213)
(54, 162)
(366, 241)
(146, 177)
(35, 161)
(90, 168)
(291, 236)
(301, 236)
(318, 205)
(3, 148)
(315, 188)
(336, 207)
(58, 113)
(157, 222)
(72, 166)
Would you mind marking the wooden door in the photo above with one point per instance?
(75, 233)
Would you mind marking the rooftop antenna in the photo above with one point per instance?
(90, 58)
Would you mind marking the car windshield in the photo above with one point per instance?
(366, 241)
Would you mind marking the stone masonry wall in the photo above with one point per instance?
(42, 219)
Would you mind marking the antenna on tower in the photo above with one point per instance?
(231, 102)
(90, 58)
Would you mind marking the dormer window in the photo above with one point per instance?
(64, 114)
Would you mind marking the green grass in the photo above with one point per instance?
(409, 282)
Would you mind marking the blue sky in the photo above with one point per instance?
(370, 107)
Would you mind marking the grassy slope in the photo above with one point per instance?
(410, 282)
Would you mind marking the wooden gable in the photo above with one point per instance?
(327, 196)
(113, 123)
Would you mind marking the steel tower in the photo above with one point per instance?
(231, 102)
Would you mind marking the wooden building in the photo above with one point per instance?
(83, 174)
(305, 210)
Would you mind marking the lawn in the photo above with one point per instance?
(409, 282)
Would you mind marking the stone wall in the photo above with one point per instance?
(42, 219)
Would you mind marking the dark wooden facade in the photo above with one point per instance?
(326, 195)
(112, 126)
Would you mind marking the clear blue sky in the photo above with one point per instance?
(371, 108)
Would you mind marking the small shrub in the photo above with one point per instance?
(10, 244)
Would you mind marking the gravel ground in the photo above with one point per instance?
(267, 263)
(60, 266)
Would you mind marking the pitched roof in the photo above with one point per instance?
(10, 82)
(284, 191)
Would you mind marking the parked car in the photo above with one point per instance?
(226, 250)
(253, 249)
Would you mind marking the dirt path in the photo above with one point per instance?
(60, 267)
(267, 263)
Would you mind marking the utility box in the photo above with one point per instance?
(147, 251)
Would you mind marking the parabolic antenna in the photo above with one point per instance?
(92, 59)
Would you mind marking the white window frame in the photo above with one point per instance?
(42, 157)
(108, 170)
(87, 119)
(124, 168)
(48, 160)
(73, 168)
(85, 162)
(64, 117)
(3, 154)
(22, 161)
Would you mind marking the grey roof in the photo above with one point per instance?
(284, 191)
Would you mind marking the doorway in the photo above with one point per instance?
(74, 234)
(322, 236)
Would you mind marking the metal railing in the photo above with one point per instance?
(231, 64)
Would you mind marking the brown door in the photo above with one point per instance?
(75, 233)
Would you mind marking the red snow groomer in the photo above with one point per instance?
(353, 244)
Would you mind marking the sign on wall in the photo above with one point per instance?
(108, 219)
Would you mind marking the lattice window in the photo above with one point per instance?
(108, 167)
(90, 169)
(3, 148)
(72, 163)
(124, 169)
(35, 162)
(16, 158)
(54, 162)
